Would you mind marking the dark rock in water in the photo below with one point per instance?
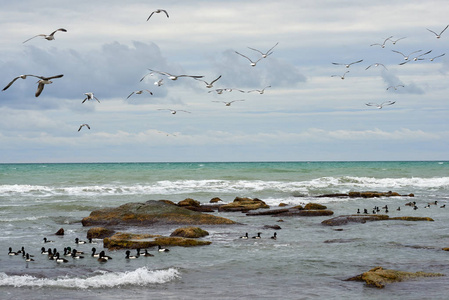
(306, 213)
(268, 212)
(189, 202)
(314, 206)
(244, 205)
(368, 194)
(275, 227)
(343, 220)
(99, 233)
(149, 213)
(215, 200)
(405, 218)
(190, 232)
(60, 232)
(378, 277)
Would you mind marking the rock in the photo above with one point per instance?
(446, 249)
(215, 200)
(300, 207)
(99, 233)
(149, 213)
(368, 194)
(60, 232)
(189, 202)
(168, 202)
(314, 206)
(244, 205)
(268, 212)
(306, 213)
(282, 204)
(133, 241)
(338, 195)
(378, 277)
(190, 232)
(275, 227)
(343, 220)
(412, 218)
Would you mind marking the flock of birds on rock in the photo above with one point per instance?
(90, 96)
(407, 57)
(69, 252)
(377, 209)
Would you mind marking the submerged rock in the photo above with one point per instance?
(343, 220)
(244, 204)
(378, 276)
(190, 232)
(60, 232)
(367, 194)
(149, 213)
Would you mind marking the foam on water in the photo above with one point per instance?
(139, 277)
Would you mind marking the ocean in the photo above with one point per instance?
(307, 260)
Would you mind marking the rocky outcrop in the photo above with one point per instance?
(314, 206)
(150, 213)
(122, 240)
(368, 194)
(244, 205)
(60, 231)
(343, 220)
(99, 233)
(190, 232)
(294, 212)
(378, 277)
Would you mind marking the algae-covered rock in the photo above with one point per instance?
(378, 277)
(405, 218)
(189, 202)
(190, 232)
(314, 206)
(215, 200)
(306, 213)
(149, 213)
(343, 220)
(99, 233)
(244, 204)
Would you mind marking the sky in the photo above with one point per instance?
(306, 113)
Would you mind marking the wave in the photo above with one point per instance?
(168, 187)
(139, 277)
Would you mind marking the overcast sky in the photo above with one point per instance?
(305, 115)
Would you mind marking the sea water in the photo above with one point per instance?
(307, 261)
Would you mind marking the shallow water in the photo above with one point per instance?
(307, 261)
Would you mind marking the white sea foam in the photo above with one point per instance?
(139, 277)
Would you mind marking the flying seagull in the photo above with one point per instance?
(395, 87)
(260, 91)
(431, 59)
(348, 65)
(82, 125)
(20, 76)
(174, 111)
(90, 96)
(376, 65)
(139, 92)
(341, 76)
(211, 84)
(253, 63)
(228, 103)
(379, 106)
(175, 77)
(395, 41)
(415, 58)
(269, 52)
(43, 80)
(436, 34)
(383, 44)
(49, 37)
(406, 57)
(159, 82)
(157, 11)
(220, 91)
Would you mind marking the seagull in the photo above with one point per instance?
(43, 80)
(174, 111)
(82, 125)
(139, 92)
(438, 35)
(253, 63)
(157, 11)
(383, 44)
(394, 42)
(376, 65)
(395, 87)
(379, 106)
(211, 84)
(90, 96)
(264, 55)
(228, 103)
(49, 37)
(431, 59)
(415, 58)
(260, 91)
(341, 76)
(175, 77)
(348, 65)
(406, 57)
(20, 76)
(159, 82)
(220, 91)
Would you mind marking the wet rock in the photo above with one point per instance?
(60, 232)
(282, 204)
(215, 200)
(275, 227)
(343, 220)
(268, 212)
(149, 213)
(405, 218)
(367, 194)
(378, 276)
(189, 202)
(244, 205)
(314, 206)
(306, 213)
(190, 232)
(99, 233)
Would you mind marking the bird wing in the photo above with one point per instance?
(96, 98)
(130, 95)
(356, 62)
(34, 37)
(52, 77)
(371, 104)
(150, 16)
(444, 29)
(398, 52)
(432, 31)
(334, 63)
(256, 50)
(151, 93)
(166, 13)
(60, 29)
(388, 103)
(273, 47)
(244, 56)
(9, 84)
(212, 82)
(185, 111)
(40, 88)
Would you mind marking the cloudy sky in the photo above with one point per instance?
(306, 114)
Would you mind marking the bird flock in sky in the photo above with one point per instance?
(159, 82)
(417, 55)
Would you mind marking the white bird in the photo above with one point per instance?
(157, 11)
(175, 77)
(174, 111)
(253, 63)
(211, 84)
(383, 44)
(159, 82)
(228, 103)
(415, 58)
(139, 92)
(82, 125)
(431, 59)
(49, 37)
(43, 80)
(341, 76)
(269, 52)
(379, 106)
(395, 87)
(406, 57)
(395, 41)
(376, 65)
(348, 65)
(436, 34)
(260, 91)
(90, 96)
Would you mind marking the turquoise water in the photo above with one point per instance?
(307, 261)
